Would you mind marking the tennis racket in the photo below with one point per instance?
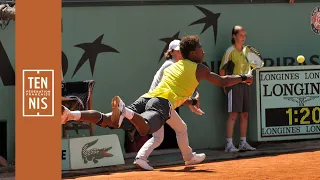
(253, 58)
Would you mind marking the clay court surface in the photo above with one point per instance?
(302, 166)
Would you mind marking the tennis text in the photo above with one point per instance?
(37, 83)
(38, 94)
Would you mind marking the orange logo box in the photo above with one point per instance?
(38, 93)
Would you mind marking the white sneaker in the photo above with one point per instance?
(142, 164)
(64, 114)
(246, 147)
(231, 148)
(196, 159)
(118, 108)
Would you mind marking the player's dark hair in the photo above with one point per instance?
(187, 44)
(168, 55)
(235, 31)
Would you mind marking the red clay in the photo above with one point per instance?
(300, 166)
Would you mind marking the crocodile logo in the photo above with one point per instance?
(94, 154)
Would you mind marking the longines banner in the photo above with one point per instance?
(288, 103)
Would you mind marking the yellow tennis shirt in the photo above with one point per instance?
(178, 83)
(234, 62)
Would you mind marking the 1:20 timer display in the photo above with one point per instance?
(292, 116)
(303, 115)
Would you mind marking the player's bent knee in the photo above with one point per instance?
(233, 116)
(244, 115)
(183, 128)
(158, 140)
(103, 119)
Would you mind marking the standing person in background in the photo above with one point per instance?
(239, 95)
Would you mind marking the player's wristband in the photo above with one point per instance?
(244, 77)
(194, 101)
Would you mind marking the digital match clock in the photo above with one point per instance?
(292, 116)
(288, 103)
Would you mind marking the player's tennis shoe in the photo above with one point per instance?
(196, 159)
(118, 108)
(230, 148)
(142, 164)
(64, 114)
(246, 147)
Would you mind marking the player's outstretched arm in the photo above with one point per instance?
(203, 72)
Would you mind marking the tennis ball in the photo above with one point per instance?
(300, 59)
